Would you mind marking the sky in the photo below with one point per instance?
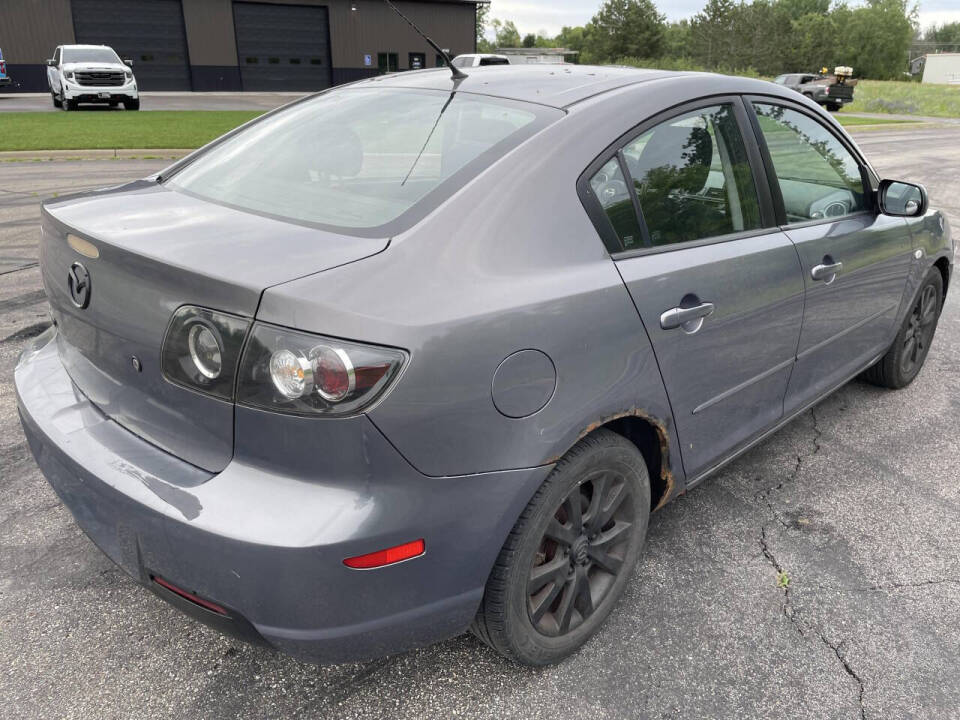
(550, 15)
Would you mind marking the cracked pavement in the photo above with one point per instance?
(817, 576)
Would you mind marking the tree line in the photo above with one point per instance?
(763, 37)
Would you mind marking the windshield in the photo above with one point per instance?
(359, 158)
(781, 79)
(89, 55)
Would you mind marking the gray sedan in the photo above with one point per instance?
(421, 354)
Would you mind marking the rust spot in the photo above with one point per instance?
(666, 475)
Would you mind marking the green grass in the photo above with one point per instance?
(85, 130)
(905, 98)
(848, 120)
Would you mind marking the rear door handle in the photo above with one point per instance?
(690, 319)
(827, 273)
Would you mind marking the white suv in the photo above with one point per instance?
(91, 74)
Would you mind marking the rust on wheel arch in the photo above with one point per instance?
(666, 476)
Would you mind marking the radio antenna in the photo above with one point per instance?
(457, 73)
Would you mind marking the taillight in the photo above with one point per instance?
(201, 350)
(3, 68)
(295, 372)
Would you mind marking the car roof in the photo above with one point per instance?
(555, 85)
(77, 47)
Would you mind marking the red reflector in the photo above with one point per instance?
(386, 557)
(212, 607)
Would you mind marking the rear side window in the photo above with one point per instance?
(494, 61)
(359, 158)
(818, 177)
(692, 179)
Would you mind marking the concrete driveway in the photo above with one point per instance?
(857, 503)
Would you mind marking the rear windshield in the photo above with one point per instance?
(360, 158)
(89, 55)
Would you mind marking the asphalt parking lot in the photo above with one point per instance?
(40, 102)
(857, 502)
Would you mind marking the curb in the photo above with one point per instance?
(100, 154)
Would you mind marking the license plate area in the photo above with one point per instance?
(104, 95)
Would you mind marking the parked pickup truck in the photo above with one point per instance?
(91, 74)
(4, 78)
(832, 91)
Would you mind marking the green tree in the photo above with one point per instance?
(483, 16)
(625, 28)
(875, 38)
(505, 33)
(529, 40)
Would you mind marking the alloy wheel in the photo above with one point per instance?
(920, 328)
(581, 553)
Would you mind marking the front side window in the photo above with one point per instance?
(89, 55)
(358, 158)
(818, 177)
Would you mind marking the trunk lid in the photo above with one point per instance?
(156, 250)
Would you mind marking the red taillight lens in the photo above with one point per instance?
(295, 372)
(396, 554)
(3, 67)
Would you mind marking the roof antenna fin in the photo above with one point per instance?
(457, 73)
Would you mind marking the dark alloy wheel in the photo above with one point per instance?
(581, 553)
(921, 324)
(906, 356)
(569, 556)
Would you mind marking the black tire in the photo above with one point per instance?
(566, 562)
(69, 104)
(833, 107)
(56, 100)
(131, 104)
(905, 358)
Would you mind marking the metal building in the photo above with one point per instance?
(938, 68)
(236, 44)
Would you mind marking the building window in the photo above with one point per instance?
(294, 61)
(440, 61)
(316, 61)
(273, 60)
(251, 60)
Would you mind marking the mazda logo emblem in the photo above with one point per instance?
(78, 283)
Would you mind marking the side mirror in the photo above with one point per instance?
(51, 62)
(902, 199)
(128, 62)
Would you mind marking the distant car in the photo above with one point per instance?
(4, 78)
(385, 364)
(479, 60)
(831, 91)
(91, 74)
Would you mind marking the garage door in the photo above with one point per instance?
(149, 32)
(282, 47)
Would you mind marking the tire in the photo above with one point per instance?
(597, 555)
(906, 356)
(56, 100)
(833, 107)
(131, 104)
(68, 104)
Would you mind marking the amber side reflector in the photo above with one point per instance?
(84, 247)
(206, 604)
(389, 556)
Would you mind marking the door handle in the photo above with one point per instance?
(826, 272)
(690, 319)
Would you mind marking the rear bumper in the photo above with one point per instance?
(5, 81)
(269, 547)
